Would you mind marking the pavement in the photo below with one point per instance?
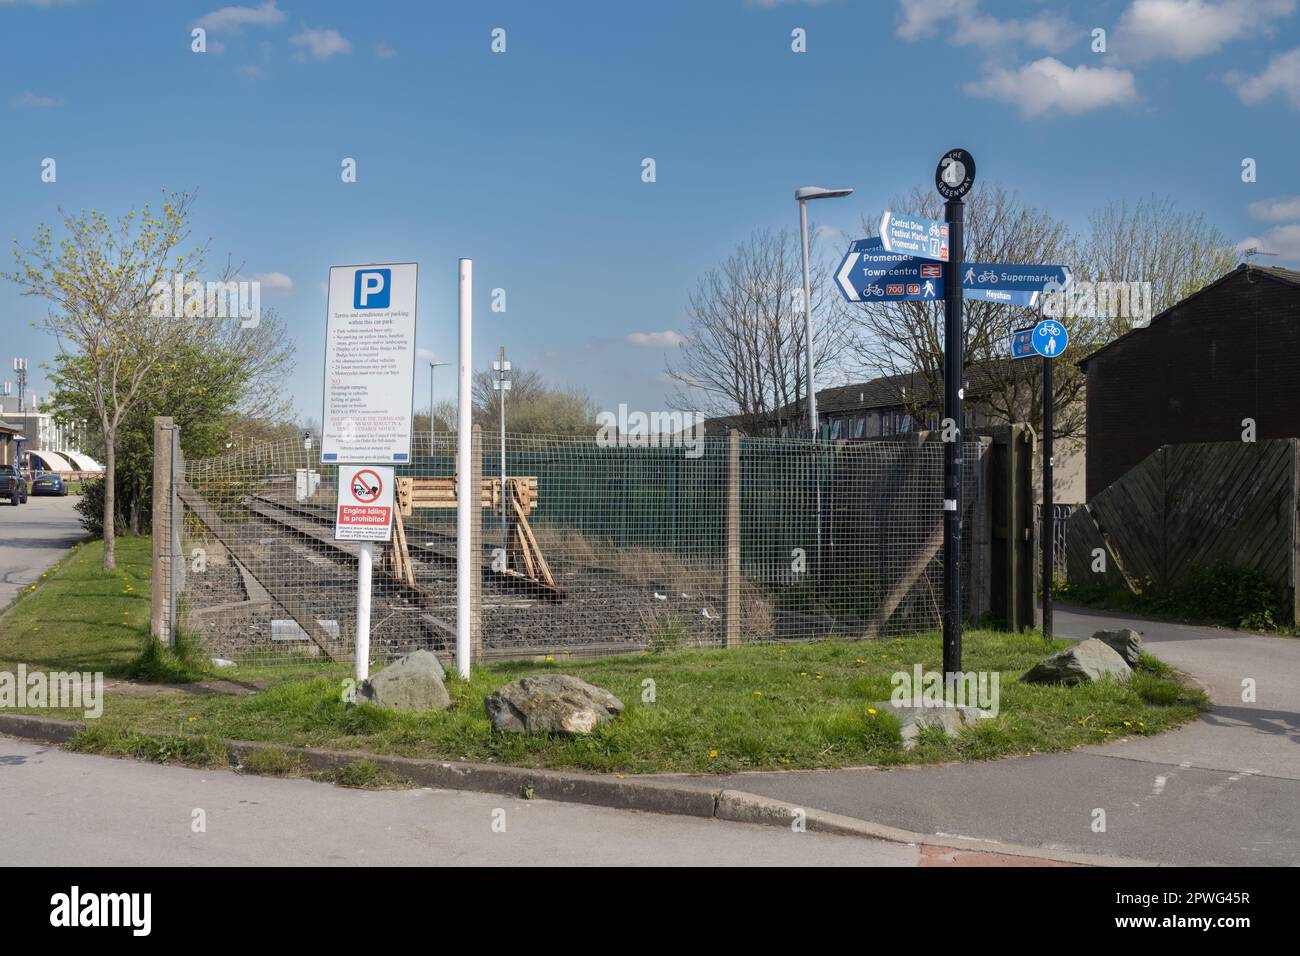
(32, 537)
(59, 809)
(1224, 790)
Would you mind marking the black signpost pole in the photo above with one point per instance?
(953, 392)
(1049, 512)
(953, 179)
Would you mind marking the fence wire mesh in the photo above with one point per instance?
(590, 550)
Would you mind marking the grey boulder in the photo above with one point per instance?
(1086, 661)
(1125, 642)
(556, 703)
(413, 682)
(912, 719)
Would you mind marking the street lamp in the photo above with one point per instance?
(802, 195)
(432, 366)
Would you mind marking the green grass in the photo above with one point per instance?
(757, 707)
(76, 616)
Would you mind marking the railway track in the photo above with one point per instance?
(316, 524)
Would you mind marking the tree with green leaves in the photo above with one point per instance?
(99, 281)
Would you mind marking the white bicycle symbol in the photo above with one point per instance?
(988, 275)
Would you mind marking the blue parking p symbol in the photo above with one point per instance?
(372, 289)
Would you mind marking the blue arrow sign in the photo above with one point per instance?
(1050, 338)
(1012, 284)
(868, 273)
(923, 238)
(1022, 344)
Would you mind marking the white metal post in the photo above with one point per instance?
(467, 498)
(365, 558)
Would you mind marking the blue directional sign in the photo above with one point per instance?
(1012, 284)
(1050, 338)
(868, 273)
(914, 236)
(1022, 344)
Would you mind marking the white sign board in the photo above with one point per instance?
(369, 364)
(365, 503)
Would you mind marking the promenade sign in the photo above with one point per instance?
(369, 364)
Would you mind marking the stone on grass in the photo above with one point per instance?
(413, 682)
(550, 702)
(1086, 661)
(912, 719)
(1125, 642)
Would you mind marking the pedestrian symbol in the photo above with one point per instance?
(1050, 339)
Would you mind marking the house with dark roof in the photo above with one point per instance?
(1221, 365)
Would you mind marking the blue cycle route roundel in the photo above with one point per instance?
(1050, 338)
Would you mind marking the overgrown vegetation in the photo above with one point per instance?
(1222, 594)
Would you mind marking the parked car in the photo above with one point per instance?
(13, 485)
(49, 483)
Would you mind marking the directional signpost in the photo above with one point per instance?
(924, 238)
(953, 179)
(1047, 339)
(868, 273)
(1012, 284)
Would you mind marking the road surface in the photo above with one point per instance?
(32, 537)
(62, 809)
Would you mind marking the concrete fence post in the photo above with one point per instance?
(161, 597)
(731, 572)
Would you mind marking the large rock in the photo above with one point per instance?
(413, 682)
(912, 719)
(1086, 661)
(1125, 642)
(550, 702)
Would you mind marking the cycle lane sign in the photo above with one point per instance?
(1012, 284)
(365, 503)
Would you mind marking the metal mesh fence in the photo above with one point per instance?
(585, 550)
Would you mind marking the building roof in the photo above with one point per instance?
(6, 427)
(1289, 276)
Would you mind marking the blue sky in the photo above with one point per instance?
(529, 161)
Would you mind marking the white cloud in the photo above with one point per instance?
(1047, 87)
(321, 44)
(36, 102)
(384, 51)
(1282, 75)
(428, 355)
(1185, 29)
(666, 339)
(1284, 241)
(1276, 210)
(274, 281)
(233, 19)
(918, 19)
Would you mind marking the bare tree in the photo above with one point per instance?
(99, 281)
(744, 353)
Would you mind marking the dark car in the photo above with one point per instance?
(13, 485)
(48, 483)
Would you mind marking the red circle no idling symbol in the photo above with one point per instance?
(366, 486)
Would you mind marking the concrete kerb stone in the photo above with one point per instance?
(735, 806)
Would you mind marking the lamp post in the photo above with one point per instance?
(802, 195)
(432, 366)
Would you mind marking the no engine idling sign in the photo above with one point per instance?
(365, 503)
